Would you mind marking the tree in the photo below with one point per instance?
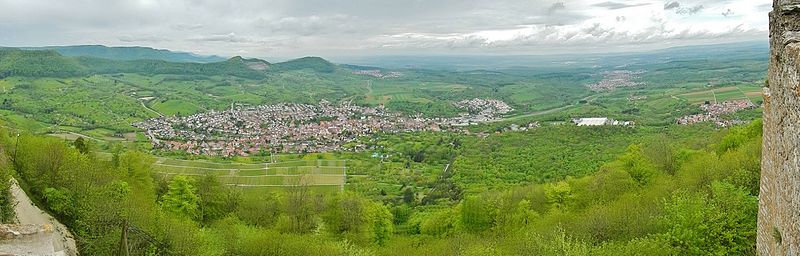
(558, 194)
(359, 220)
(408, 195)
(637, 165)
(476, 214)
(381, 220)
(519, 217)
(181, 198)
(661, 154)
(299, 211)
(216, 201)
(81, 145)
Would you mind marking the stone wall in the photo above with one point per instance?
(779, 198)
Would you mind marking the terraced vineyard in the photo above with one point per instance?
(325, 175)
(752, 93)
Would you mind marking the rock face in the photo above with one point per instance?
(779, 198)
(36, 232)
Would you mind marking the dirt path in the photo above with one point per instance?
(28, 213)
(715, 96)
(151, 110)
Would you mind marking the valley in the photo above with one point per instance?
(340, 159)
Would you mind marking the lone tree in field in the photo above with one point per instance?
(81, 145)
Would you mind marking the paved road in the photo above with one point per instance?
(546, 111)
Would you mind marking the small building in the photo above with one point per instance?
(593, 121)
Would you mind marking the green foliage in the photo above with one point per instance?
(81, 145)
(181, 198)
(559, 194)
(647, 200)
(260, 210)
(438, 223)
(723, 224)
(248, 240)
(739, 135)
(216, 201)
(358, 220)
(476, 215)
(7, 214)
(545, 154)
(60, 202)
(638, 165)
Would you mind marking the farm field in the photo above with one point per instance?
(752, 93)
(246, 176)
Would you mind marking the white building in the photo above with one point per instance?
(594, 121)
(600, 121)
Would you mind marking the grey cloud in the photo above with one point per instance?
(230, 38)
(615, 5)
(689, 10)
(556, 7)
(621, 18)
(671, 5)
(313, 25)
(143, 38)
(727, 13)
(183, 26)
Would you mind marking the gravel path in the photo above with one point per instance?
(28, 213)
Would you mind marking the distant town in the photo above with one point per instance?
(616, 79)
(294, 128)
(715, 111)
(378, 73)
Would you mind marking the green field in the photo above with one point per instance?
(311, 173)
(752, 93)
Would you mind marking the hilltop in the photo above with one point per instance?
(51, 63)
(129, 53)
(310, 63)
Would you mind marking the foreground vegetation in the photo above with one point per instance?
(657, 197)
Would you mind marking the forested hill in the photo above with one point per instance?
(50, 63)
(128, 53)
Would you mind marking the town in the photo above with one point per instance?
(715, 111)
(615, 79)
(295, 128)
(378, 73)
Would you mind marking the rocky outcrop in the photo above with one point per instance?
(779, 197)
(36, 232)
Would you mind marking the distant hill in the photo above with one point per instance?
(128, 53)
(254, 64)
(50, 63)
(15, 62)
(306, 63)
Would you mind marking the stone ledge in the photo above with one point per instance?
(14, 231)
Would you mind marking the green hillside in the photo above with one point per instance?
(14, 62)
(128, 53)
(35, 63)
(315, 64)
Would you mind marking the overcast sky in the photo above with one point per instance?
(294, 28)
